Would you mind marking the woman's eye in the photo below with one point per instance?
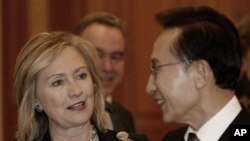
(57, 83)
(81, 76)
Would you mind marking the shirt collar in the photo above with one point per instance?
(215, 127)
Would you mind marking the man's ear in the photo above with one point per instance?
(202, 73)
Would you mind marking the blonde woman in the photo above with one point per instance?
(58, 91)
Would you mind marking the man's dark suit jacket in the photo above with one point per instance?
(242, 118)
(121, 118)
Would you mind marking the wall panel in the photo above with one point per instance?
(15, 35)
(1, 74)
(37, 16)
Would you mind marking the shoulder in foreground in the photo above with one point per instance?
(138, 137)
(244, 115)
(175, 135)
(109, 135)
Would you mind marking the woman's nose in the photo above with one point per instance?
(75, 89)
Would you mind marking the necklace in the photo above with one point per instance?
(93, 135)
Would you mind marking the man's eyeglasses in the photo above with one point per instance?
(155, 68)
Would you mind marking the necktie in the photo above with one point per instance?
(192, 137)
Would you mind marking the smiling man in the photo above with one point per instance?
(195, 66)
(108, 34)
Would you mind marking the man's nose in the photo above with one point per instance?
(106, 63)
(151, 88)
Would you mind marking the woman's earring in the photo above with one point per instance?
(38, 108)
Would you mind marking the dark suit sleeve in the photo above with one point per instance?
(176, 135)
(243, 118)
(138, 137)
(122, 119)
(107, 136)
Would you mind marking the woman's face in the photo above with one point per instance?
(65, 90)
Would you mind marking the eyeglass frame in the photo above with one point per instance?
(155, 69)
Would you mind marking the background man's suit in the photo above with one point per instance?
(121, 118)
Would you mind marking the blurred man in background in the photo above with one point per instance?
(108, 34)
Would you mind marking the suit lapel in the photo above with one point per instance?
(242, 118)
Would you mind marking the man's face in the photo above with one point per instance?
(171, 85)
(110, 44)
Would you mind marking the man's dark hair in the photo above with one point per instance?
(101, 18)
(206, 35)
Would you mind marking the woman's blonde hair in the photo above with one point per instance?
(36, 55)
